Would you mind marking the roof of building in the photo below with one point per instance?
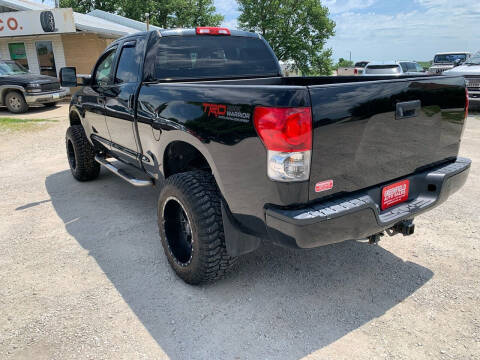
(97, 21)
(122, 20)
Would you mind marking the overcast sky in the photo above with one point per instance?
(393, 29)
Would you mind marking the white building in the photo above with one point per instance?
(45, 39)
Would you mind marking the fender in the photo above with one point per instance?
(4, 89)
(168, 137)
(238, 239)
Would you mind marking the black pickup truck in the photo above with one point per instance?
(243, 155)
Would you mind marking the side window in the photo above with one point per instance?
(404, 67)
(412, 67)
(104, 70)
(127, 70)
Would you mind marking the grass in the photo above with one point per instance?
(425, 64)
(14, 124)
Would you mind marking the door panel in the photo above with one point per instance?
(119, 102)
(94, 105)
(94, 97)
(119, 116)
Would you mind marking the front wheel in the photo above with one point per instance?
(191, 227)
(15, 102)
(81, 154)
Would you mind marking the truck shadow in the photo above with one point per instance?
(277, 303)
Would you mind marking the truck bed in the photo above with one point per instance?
(359, 140)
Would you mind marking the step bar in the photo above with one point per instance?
(122, 173)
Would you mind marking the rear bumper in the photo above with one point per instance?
(359, 216)
(46, 97)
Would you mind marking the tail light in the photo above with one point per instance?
(287, 135)
(355, 71)
(467, 103)
(205, 30)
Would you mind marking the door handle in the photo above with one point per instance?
(408, 109)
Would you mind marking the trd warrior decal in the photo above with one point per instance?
(227, 112)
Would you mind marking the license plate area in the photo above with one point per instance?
(395, 193)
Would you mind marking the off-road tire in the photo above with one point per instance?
(50, 104)
(198, 195)
(81, 154)
(47, 20)
(15, 102)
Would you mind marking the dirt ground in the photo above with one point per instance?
(83, 276)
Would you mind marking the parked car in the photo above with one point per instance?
(447, 61)
(471, 71)
(19, 88)
(243, 155)
(393, 68)
(352, 71)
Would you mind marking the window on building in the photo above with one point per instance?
(18, 53)
(127, 70)
(46, 59)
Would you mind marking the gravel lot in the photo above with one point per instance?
(83, 276)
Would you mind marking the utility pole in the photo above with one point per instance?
(350, 56)
(147, 20)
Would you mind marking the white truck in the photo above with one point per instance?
(352, 71)
(448, 60)
(471, 71)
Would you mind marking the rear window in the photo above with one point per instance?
(382, 69)
(361, 64)
(200, 57)
(449, 58)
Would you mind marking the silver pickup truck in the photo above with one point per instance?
(471, 71)
(446, 61)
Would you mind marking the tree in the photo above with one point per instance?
(344, 63)
(85, 6)
(193, 13)
(296, 30)
(163, 13)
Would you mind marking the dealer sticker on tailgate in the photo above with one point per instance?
(395, 193)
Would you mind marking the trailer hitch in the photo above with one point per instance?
(406, 228)
(375, 238)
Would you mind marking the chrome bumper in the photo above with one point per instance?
(474, 95)
(45, 97)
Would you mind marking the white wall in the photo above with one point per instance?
(29, 42)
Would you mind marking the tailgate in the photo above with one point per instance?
(370, 133)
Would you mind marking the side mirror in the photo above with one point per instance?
(457, 62)
(68, 77)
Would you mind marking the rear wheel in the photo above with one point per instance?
(81, 154)
(191, 227)
(15, 102)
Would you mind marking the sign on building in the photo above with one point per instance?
(52, 21)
